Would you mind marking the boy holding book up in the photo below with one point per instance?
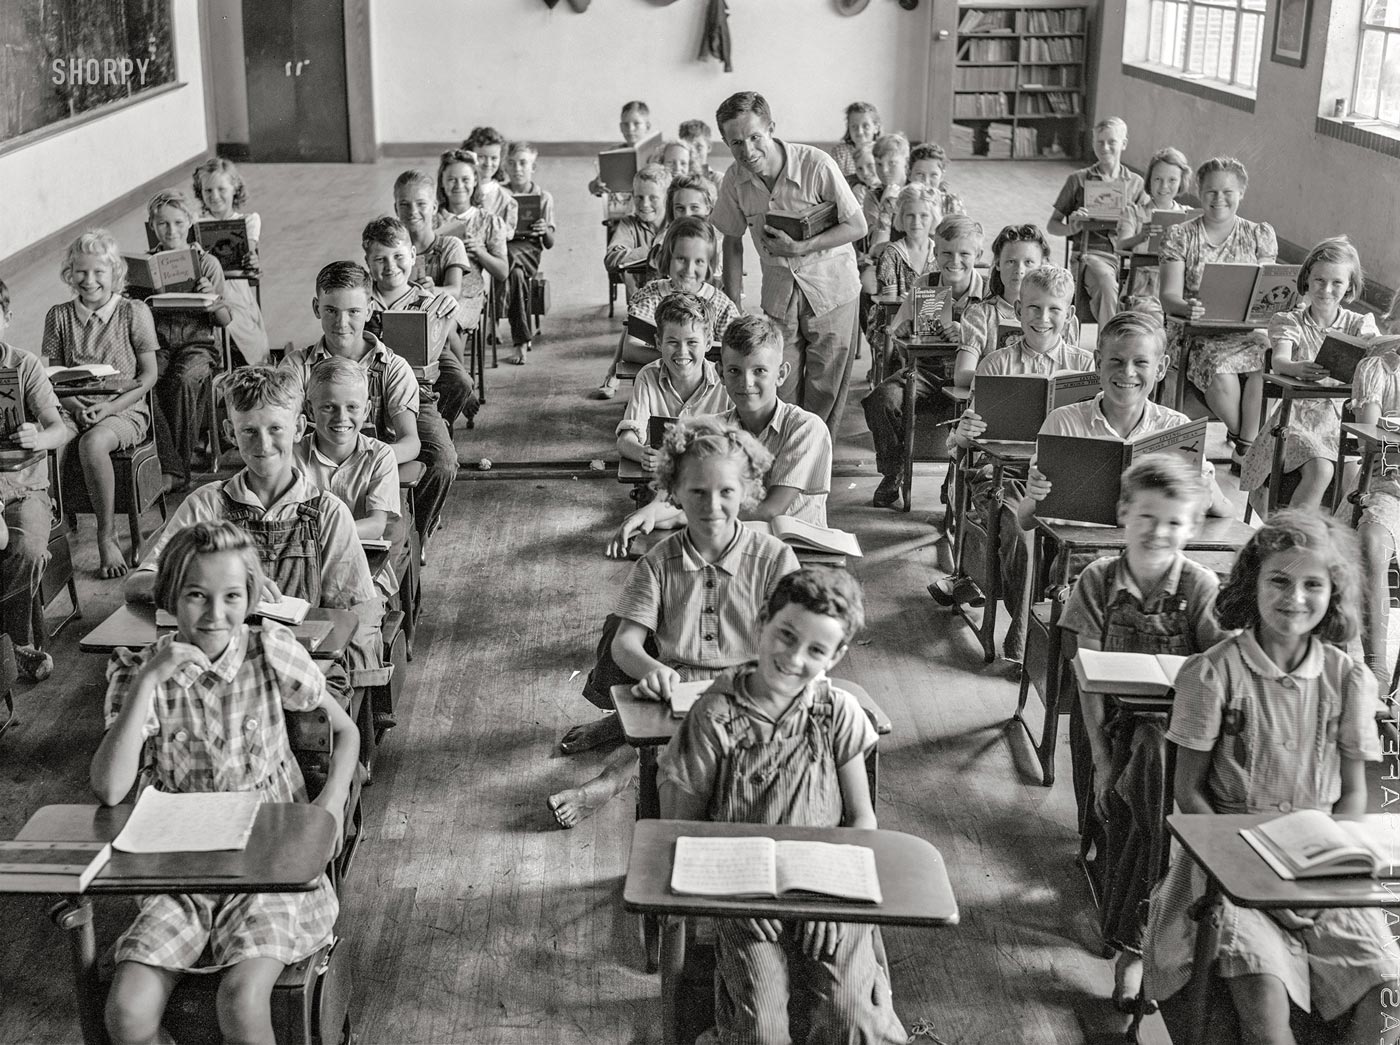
(779, 720)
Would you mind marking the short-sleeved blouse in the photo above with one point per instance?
(1249, 241)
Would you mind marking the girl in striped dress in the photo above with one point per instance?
(209, 701)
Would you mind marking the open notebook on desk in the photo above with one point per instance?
(762, 867)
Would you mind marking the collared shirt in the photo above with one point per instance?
(694, 758)
(36, 393)
(982, 322)
(1071, 198)
(367, 481)
(653, 395)
(120, 339)
(827, 278)
(400, 388)
(1017, 357)
(1092, 595)
(801, 447)
(414, 297)
(476, 223)
(1276, 737)
(704, 614)
(103, 314)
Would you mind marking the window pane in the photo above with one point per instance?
(1390, 80)
(1382, 12)
(1368, 74)
(1177, 57)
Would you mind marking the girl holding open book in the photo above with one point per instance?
(221, 193)
(1168, 175)
(1274, 719)
(208, 701)
(1330, 278)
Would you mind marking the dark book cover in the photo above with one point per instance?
(804, 224)
(657, 427)
(406, 334)
(227, 240)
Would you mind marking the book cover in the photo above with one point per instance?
(617, 168)
(932, 310)
(406, 333)
(804, 224)
(809, 537)
(1015, 406)
(1106, 200)
(226, 239)
(529, 210)
(50, 867)
(11, 405)
(1165, 219)
(1340, 353)
(1275, 290)
(1225, 291)
(657, 427)
(166, 271)
(642, 329)
(64, 375)
(1005, 332)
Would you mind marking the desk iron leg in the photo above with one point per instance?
(910, 379)
(672, 962)
(649, 808)
(75, 916)
(1208, 911)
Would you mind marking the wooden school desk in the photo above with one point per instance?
(287, 852)
(917, 351)
(888, 306)
(631, 474)
(913, 881)
(134, 626)
(1286, 390)
(1234, 870)
(1058, 546)
(1375, 442)
(977, 551)
(645, 542)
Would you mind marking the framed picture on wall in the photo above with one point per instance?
(1291, 25)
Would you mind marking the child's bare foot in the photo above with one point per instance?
(1127, 981)
(577, 804)
(112, 561)
(606, 730)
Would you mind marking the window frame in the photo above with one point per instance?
(1390, 36)
(1194, 13)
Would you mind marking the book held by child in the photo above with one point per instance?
(1014, 406)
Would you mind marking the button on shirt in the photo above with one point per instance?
(827, 278)
(705, 614)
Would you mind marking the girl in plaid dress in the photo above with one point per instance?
(1277, 718)
(208, 700)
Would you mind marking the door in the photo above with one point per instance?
(294, 55)
(942, 59)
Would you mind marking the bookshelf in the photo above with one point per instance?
(1023, 66)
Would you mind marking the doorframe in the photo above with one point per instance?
(359, 82)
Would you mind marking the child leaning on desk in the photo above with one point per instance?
(1273, 719)
(305, 536)
(689, 603)
(1149, 599)
(772, 741)
(209, 702)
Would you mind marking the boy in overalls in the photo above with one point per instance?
(305, 537)
(773, 742)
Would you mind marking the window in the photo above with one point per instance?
(1219, 40)
(1376, 94)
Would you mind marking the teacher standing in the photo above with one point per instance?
(810, 287)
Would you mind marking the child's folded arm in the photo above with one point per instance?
(371, 526)
(406, 446)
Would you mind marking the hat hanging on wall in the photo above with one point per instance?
(908, 5)
(852, 7)
(550, 4)
(579, 6)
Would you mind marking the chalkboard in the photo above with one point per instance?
(64, 58)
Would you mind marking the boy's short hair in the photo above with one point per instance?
(1055, 281)
(958, 226)
(689, 130)
(251, 387)
(1116, 124)
(704, 437)
(636, 106)
(752, 333)
(204, 538)
(1173, 157)
(743, 102)
(414, 178)
(929, 151)
(385, 232)
(891, 143)
(1338, 250)
(447, 159)
(483, 136)
(4, 299)
(825, 590)
(653, 174)
(343, 275)
(686, 228)
(678, 308)
(1125, 325)
(1222, 165)
(98, 243)
(698, 182)
(336, 370)
(171, 198)
(518, 148)
(219, 165)
(1168, 474)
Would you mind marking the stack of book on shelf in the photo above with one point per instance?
(1026, 142)
(985, 78)
(981, 105)
(987, 51)
(987, 22)
(1070, 20)
(1053, 49)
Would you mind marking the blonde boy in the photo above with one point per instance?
(631, 238)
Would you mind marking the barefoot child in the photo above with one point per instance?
(1149, 599)
(1279, 718)
(208, 704)
(687, 609)
(682, 383)
(779, 720)
(102, 326)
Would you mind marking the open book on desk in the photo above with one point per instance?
(806, 536)
(1129, 674)
(65, 375)
(761, 867)
(1308, 843)
(199, 822)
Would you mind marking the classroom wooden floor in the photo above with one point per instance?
(470, 917)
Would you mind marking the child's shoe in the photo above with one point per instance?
(887, 493)
(608, 388)
(34, 664)
(956, 591)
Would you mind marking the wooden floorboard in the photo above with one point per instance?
(468, 917)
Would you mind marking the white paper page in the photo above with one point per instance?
(202, 822)
(723, 867)
(289, 609)
(1380, 833)
(846, 871)
(1305, 836)
(1121, 670)
(823, 537)
(684, 696)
